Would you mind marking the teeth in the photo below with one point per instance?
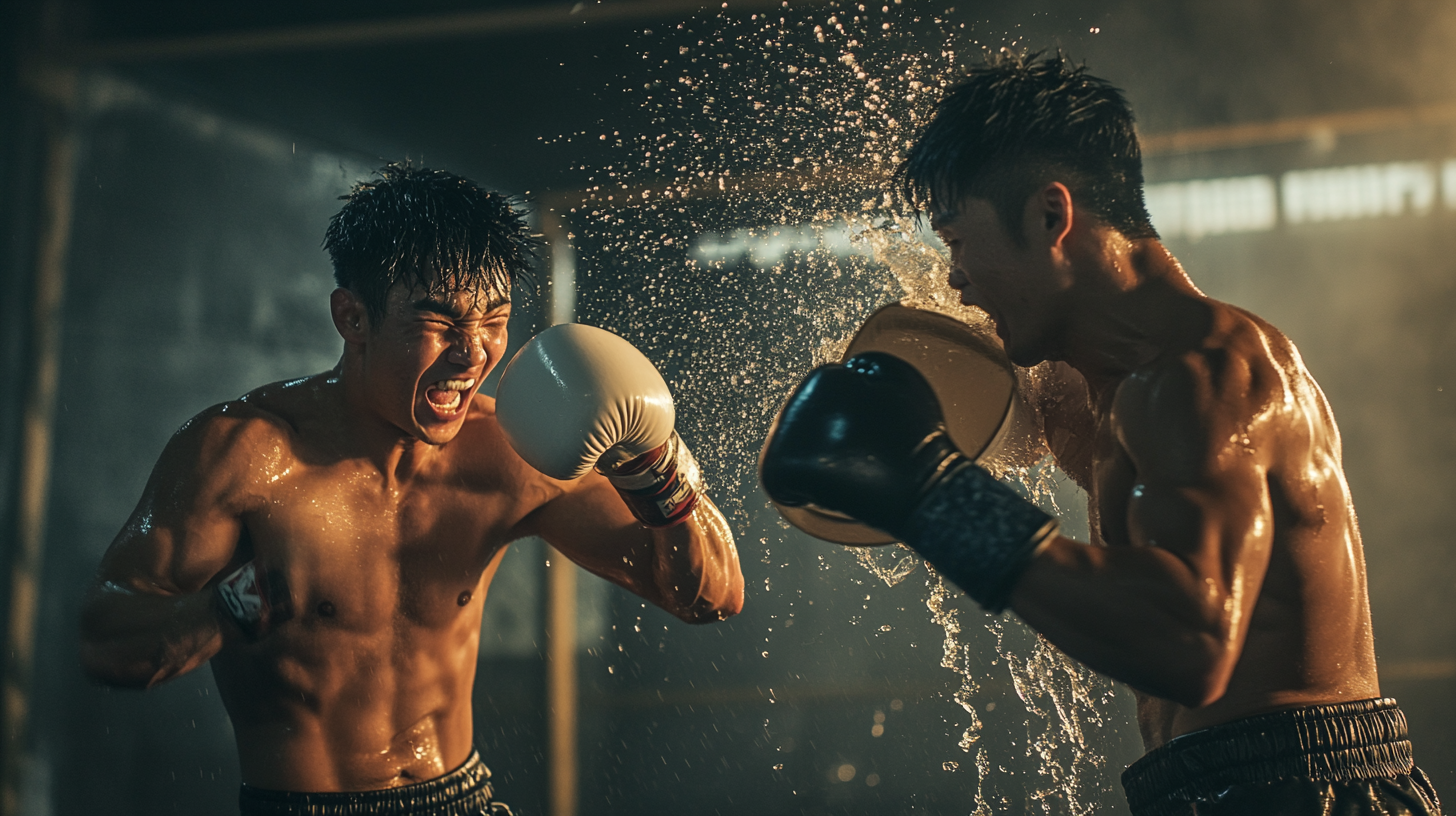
(452, 405)
(454, 392)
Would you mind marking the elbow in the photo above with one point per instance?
(713, 597)
(732, 606)
(713, 610)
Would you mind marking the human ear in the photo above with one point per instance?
(351, 319)
(1049, 215)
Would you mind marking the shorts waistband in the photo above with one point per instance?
(1366, 739)
(465, 791)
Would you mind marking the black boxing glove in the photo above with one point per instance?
(867, 438)
(255, 600)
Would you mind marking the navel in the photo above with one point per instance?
(325, 609)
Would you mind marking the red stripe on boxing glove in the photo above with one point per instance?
(256, 601)
(662, 486)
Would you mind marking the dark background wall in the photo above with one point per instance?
(195, 274)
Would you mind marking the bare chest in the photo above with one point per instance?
(360, 555)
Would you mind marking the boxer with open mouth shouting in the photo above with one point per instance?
(327, 543)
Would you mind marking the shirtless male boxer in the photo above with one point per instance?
(327, 543)
(1226, 579)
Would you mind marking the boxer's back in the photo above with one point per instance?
(1249, 395)
(387, 563)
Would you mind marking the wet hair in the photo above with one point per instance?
(1019, 121)
(413, 226)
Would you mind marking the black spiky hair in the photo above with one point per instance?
(414, 226)
(1020, 120)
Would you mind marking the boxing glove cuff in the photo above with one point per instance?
(978, 533)
(661, 487)
(254, 600)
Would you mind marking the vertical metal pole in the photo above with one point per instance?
(562, 693)
(57, 88)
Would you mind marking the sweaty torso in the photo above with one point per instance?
(1309, 638)
(369, 685)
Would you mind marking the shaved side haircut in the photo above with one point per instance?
(1019, 121)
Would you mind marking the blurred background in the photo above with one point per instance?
(710, 178)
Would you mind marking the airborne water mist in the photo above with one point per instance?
(764, 125)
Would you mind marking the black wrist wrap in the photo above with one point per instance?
(978, 533)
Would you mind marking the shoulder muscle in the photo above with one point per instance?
(1186, 417)
(186, 526)
(222, 453)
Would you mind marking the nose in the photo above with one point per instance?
(468, 350)
(970, 293)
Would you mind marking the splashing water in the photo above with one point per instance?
(955, 655)
(1061, 697)
(791, 122)
(891, 564)
(1059, 694)
(1063, 700)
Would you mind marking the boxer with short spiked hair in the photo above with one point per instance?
(1226, 580)
(430, 230)
(327, 543)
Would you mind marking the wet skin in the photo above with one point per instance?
(1227, 577)
(388, 513)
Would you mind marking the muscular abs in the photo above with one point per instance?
(387, 564)
(387, 557)
(369, 685)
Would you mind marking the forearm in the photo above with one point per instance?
(695, 567)
(1137, 614)
(138, 640)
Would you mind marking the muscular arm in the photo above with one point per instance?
(148, 615)
(1169, 614)
(690, 569)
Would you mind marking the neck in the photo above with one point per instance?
(396, 453)
(1137, 304)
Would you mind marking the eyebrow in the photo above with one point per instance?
(449, 309)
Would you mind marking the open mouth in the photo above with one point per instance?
(448, 396)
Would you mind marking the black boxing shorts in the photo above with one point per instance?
(1349, 759)
(465, 791)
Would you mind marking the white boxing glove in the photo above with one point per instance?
(577, 397)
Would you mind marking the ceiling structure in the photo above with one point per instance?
(519, 94)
